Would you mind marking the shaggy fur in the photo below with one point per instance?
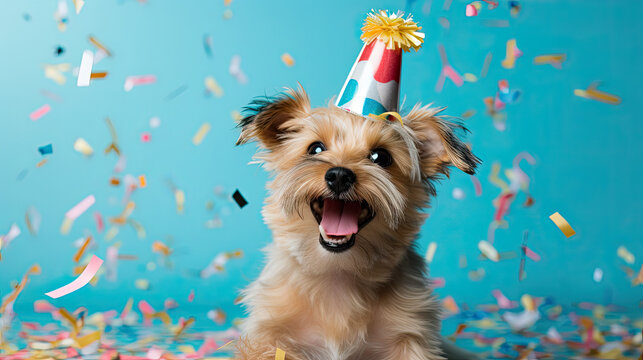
(372, 301)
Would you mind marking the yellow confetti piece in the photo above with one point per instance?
(553, 59)
(288, 59)
(625, 254)
(528, 302)
(562, 224)
(159, 247)
(83, 147)
(280, 354)
(142, 284)
(179, 196)
(213, 86)
(66, 226)
(495, 179)
(469, 77)
(236, 115)
(510, 59)
(592, 93)
(55, 72)
(88, 339)
(201, 133)
(430, 252)
(488, 250)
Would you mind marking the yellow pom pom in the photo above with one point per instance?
(394, 30)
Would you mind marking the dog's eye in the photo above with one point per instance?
(381, 157)
(315, 148)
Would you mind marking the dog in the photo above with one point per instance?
(343, 279)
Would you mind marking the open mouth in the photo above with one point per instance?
(339, 221)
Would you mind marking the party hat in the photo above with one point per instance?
(373, 85)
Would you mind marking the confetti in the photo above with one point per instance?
(430, 252)
(598, 275)
(80, 208)
(142, 181)
(450, 305)
(46, 149)
(207, 44)
(288, 59)
(562, 224)
(78, 5)
(201, 133)
(9, 299)
(146, 137)
(179, 197)
(155, 122)
(142, 284)
(512, 54)
(132, 81)
(99, 45)
(476, 185)
(471, 10)
(80, 281)
(555, 60)
(81, 249)
(458, 194)
(178, 91)
(33, 220)
(40, 112)
(86, 63)
(592, 93)
(625, 254)
(447, 71)
(239, 199)
(98, 75)
(280, 354)
(83, 147)
(235, 70)
(488, 250)
(213, 87)
(14, 232)
(486, 64)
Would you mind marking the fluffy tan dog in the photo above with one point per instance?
(343, 279)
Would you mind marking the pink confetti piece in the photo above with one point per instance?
(100, 225)
(43, 306)
(132, 81)
(83, 279)
(503, 206)
(438, 282)
(447, 71)
(80, 208)
(477, 185)
(145, 137)
(191, 296)
(503, 301)
(532, 255)
(40, 112)
(471, 10)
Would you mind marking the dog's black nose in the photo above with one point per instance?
(339, 179)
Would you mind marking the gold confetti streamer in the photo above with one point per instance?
(562, 224)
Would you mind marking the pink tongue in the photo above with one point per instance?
(340, 217)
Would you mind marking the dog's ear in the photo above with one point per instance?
(439, 146)
(268, 118)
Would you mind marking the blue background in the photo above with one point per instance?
(588, 153)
